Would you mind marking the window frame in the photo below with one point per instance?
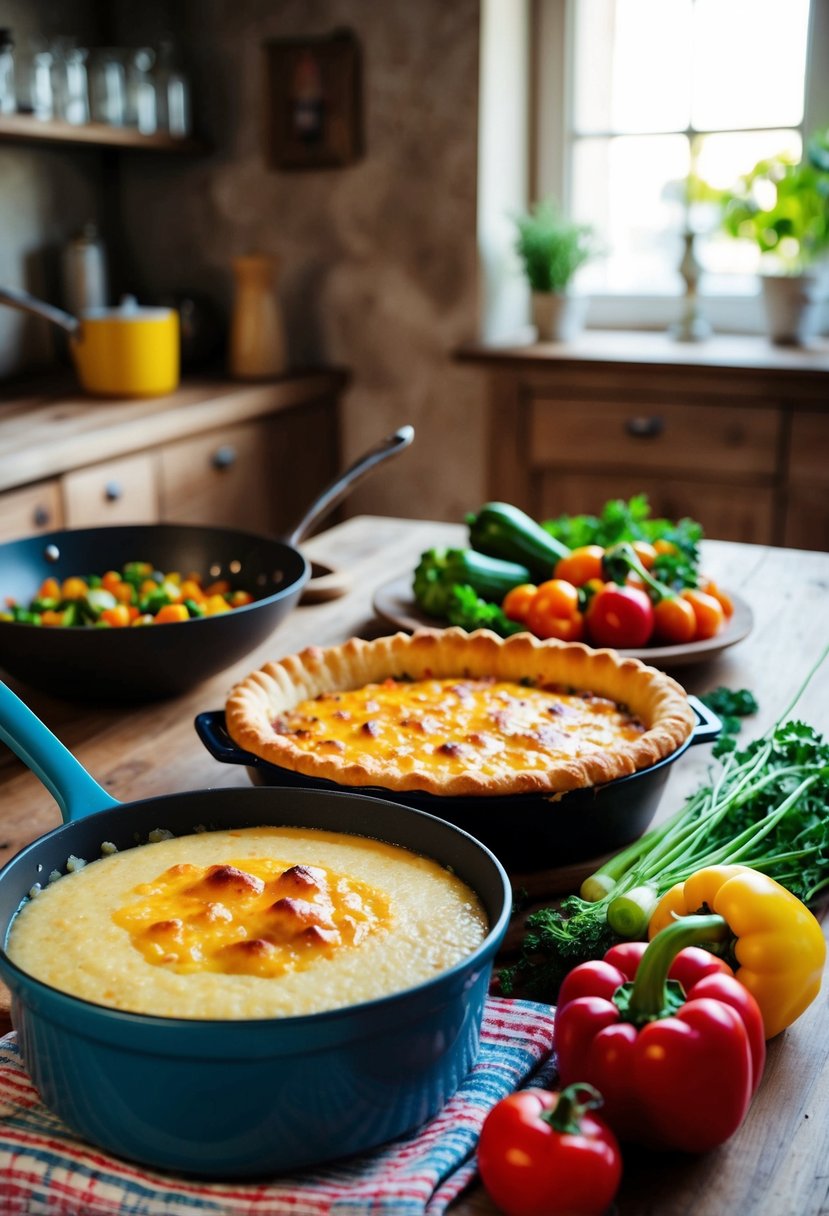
(551, 131)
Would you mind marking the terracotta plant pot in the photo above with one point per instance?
(558, 318)
(792, 306)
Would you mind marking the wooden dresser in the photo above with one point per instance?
(733, 431)
(249, 456)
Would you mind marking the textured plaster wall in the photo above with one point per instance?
(379, 262)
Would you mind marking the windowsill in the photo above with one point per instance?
(649, 347)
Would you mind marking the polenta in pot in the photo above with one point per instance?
(247, 923)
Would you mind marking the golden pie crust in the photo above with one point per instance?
(259, 707)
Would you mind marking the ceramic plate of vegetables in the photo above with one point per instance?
(621, 579)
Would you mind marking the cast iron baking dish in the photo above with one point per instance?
(526, 831)
(241, 1098)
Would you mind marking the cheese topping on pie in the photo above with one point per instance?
(452, 713)
(259, 916)
(451, 725)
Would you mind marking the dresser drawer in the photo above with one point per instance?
(33, 509)
(118, 492)
(224, 478)
(701, 439)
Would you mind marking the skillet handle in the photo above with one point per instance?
(75, 791)
(709, 726)
(211, 729)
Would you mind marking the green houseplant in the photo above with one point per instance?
(551, 249)
(783, 207)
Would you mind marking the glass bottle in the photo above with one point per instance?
(141, 92)
(257, 335)
(173, 93)
(8, 97)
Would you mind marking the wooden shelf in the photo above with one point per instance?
(23, 128)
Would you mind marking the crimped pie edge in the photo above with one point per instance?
(654, 697)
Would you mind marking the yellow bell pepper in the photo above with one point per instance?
(778, 944)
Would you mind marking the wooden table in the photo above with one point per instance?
(776, 1165)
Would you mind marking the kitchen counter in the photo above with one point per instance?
(775, 1164)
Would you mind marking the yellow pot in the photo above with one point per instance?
(128, 351)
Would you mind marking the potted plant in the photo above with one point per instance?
(552, 248)
(783, 206)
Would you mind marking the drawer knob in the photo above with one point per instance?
(224, 457)
(645, 427)
(113, 490)
(41, 516)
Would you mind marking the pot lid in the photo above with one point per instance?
(128, 309)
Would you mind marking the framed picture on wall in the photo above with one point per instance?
(314, 102)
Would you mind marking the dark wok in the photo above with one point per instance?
(526, 831)
(160, 660)
(240, 1098)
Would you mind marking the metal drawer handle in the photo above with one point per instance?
(644, 427)
(113, 490)
(41, 516)
(224, 457)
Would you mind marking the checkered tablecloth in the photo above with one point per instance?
(47, 1171)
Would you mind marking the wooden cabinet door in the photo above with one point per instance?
(117, 492)
(807, 506)
(31, 510)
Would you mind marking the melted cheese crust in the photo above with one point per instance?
(77, 934)
(449, 726)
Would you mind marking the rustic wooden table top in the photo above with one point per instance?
(776, 1164)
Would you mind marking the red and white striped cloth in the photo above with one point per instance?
(46, 1171)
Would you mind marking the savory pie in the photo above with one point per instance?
(448, 712)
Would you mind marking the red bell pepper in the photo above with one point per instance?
(674, 1043)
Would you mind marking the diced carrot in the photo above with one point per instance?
(148, 587)
(111, 580)
(191, 590)
(73, 589)
(170, 613)
(133, 611)
(123, 593)
(49, 589)
(50, 618)
(218, 588)
(215, 604)
(117, 616)
(240, 598)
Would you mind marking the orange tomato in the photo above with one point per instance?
(708, 612)
(665, 546)
(646, 552)
(581, 565)
(675, 621)
(725, 600)
(516, 603)
(554, 612)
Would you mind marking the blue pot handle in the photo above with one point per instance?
(708, 726)
(212, 730)
(75, 791)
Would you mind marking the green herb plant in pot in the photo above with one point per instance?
(783, 207)
(552, 248)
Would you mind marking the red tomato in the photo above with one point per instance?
(620, 616)
(547, 1154)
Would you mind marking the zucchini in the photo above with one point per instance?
(503, 531)
(439, 570)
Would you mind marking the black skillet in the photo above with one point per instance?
(148, 663)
